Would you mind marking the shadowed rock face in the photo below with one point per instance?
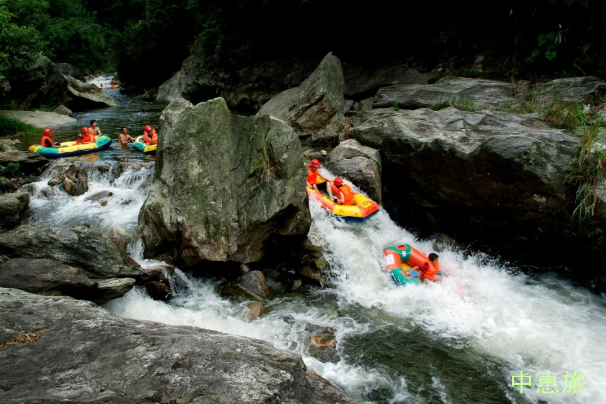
(76, 246)
(223, 185)
(85, 354)
(483, 93)
(360, 164)
(316, 107)
(489, 176)
(12, 208)
(86, 96)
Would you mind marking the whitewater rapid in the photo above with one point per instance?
(482, 313)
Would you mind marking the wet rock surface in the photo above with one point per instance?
(82, 353)
(12, 208)
(251, 285)
(322, 343)
(223, 185)
(77, 246)
(316, 107)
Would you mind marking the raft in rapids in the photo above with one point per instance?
(362, 208)
(399, 261)
(70, 149)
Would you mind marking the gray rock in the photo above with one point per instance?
(444, 242)
(75, 184)
(574, 89)
(316, 106)
(121, 238)
(29, 163)
(109, 289)
(85, 96)
(359, 164)
(158, 290)
(7, 185)
(100, 196)
(223, 184)
(12, 208)
(41, 119)
(364, 105)
(63, 110)
(42, 83)
(79, 246)
(68, 70)
(251, 285)
(194, 82)
(364, 81)
(481, 175)
(322, 344)
(484, 93)
(46, 277)
(82, 353)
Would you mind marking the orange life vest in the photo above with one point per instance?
(312, 175)
(150, 140)
(88, 138)
(348, 194)
(430, 269)
(44, 139)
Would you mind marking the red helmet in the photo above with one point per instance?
(47, 132)
(85, 130)
(148, 128)
(338, 182)
(316, 163)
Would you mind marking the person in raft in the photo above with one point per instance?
(427, 272)
(150, 136)
(85, 136)
(343, 194)
(124, 137)
(47, 139)
(95, 130)
(312, 178)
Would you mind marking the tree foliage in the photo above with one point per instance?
(70, 33)
(19, 46)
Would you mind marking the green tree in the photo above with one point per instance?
(19, 46)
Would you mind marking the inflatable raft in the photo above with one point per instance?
(399, 261)
(362, 207)
(69, 149)
(144, 147)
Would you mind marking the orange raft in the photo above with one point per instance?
(362, 207)
(399, 261)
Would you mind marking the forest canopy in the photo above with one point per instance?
(149, 39)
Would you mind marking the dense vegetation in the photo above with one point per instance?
(148, 39)
(63, 30)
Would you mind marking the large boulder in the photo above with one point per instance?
(41, 119)
(78, 246)
(194, 82)
(43, 80)
(29, 163)
(69, 351)
(251, 285)
(63, 110)
(573, 89)
(316, 107)
(223, 185)
(52, 278)
(360, 164)
(68, 70)
(363, 80)
(85, 96)
(477, 175)
(12, 208)
(482, 93)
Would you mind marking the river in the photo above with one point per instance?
(459, 341)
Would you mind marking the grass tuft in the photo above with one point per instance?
(11, 126)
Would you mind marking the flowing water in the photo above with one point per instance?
(458, 341)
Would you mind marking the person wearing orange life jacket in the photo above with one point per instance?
(428, 271)
(150, 136)
(86, 136)
(343, 193)
(47, 139)
(312, 178)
